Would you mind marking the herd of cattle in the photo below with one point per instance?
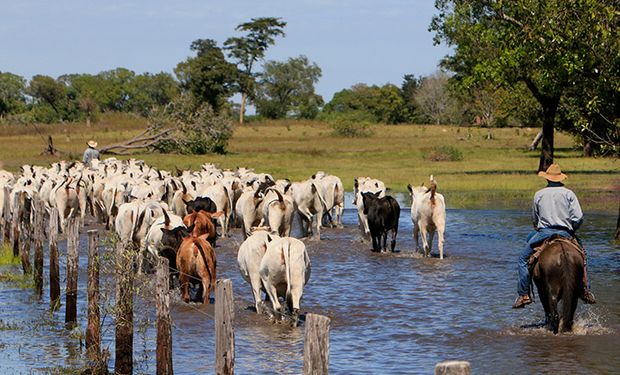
(177, 217)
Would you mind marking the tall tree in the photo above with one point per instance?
(549, 45)
(289, 87)
(250, 48)
(12, 89)
(45, 89)
(433, 98)
(207, 76)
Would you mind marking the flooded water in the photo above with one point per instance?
(391, 313)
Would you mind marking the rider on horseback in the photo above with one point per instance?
(555, 211)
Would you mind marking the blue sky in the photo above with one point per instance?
(373, 42)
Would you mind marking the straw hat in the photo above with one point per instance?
(553, 173)
(91, 143)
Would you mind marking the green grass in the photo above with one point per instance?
(493, 173)
(6, 256)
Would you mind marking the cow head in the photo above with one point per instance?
(368, 198)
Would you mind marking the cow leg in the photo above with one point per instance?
(394, 233)
(375, 245)
(293, 304)
(423, 232)
(224, 225)
(416, 237)
(273, 297)
(318, 216)
(431, 236)
(384, 241)
(256, 288)
(440, 242)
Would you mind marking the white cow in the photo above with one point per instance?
(249, 257)
(332, 191)
(309, 204)
(278, 208)
(220, 196)
(428, 214)
(284, 271)
(249, 210)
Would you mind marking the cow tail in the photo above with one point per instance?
(199, 244)
(280, 199)
(320, 197)
(137, 224)
(433, 189)
(166, 219)
(287, 265)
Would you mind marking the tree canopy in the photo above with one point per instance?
(289, 87)
(550, 46)
(207, 76)
(250, 48)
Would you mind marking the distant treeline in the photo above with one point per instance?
(498, 76)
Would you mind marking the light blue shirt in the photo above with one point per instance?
(556, 206)
(89, 155)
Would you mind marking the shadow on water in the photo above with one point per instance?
(392, 313)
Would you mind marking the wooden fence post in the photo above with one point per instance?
(452, 368)
(164, 331)
(124, 309)
(93, 330)
(25, 234)
(54, 268)
(224, 332)
(73, 240)
(6, 214)
(316, 345)
(14, 234)
(39, 234)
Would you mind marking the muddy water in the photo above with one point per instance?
(391, 314)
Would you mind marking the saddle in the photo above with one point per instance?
(572, 242)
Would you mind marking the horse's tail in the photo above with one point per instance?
(572, 276)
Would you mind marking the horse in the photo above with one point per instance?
(558, 275)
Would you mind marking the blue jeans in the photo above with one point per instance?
(535, 237)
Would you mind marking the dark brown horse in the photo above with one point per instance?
(558, 275)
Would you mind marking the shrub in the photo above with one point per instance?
(442, 153)
(197, 130)
(352, 129)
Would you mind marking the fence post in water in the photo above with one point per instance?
(164, 331)
(25, 235)
(14, 230)
(316, 345)
(54, 268)
(73, 240)
(453, 368)
(124, 309)
(93, 330)
(6, 214)
(39, 234)
(5, 220)
(224, 333)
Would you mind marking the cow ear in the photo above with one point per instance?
(377, 194)
(409, 188)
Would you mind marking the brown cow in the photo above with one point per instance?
(203, 224)
(196, 263)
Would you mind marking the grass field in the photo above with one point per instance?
(495, 173)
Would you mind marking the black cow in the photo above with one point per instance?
(200, 204)
(170, 241)
(383, 214)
